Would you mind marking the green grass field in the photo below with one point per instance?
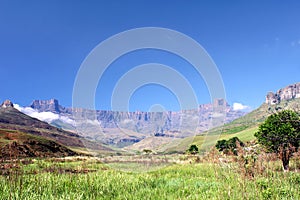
(90, 179)
(205, 142)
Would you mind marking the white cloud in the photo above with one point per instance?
(43, 116)
(66, 120)
(239, 106)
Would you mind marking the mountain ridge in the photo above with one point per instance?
(287, 93)
(121, 129)
(13, 120)
(125, 128)
(109, 119)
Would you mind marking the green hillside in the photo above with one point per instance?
(12, 120)
(254, 118)
(243, 128)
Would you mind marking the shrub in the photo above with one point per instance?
(230, 145)
(193, 149)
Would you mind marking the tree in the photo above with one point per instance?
(147, 151)
(193, 149)
(222, 145)
(229, 145)
(280, 133)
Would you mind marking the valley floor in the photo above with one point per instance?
(186, 177)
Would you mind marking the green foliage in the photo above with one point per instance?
(184, 181)
(280, 133)
(221, 145)
(229, 145)
(193, 149)
(147, 151)
(279, 129)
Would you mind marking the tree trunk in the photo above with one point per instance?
(285, 164)
(285, 158)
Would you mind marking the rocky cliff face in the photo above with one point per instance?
(148, 122)
(124, 128)
(287, 93)
(46, 105)
(7, 104)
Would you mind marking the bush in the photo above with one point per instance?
(193, 149)
(230, 145)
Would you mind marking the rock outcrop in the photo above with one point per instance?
(51, 105)
(287, 93)
(7, 104)
(46, 105)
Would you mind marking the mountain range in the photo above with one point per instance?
(63, 133)
(121, 129)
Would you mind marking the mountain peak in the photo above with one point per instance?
(7, 104)
(50, 105)
(287, 93)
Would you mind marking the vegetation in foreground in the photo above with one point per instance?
(248, 173)
(191, 177)
(280, 133)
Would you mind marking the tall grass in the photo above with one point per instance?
(84, 179)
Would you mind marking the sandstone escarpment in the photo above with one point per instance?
(287, 93)
(148, 122)
(46, 105)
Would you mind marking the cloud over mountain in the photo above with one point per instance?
(43, 116)
(239, 106)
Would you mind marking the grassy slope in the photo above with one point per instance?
(8, 136)
(205, 142)
(254, 118)
(12, 119)
(152, 143)
(18, 144)
(243, 128)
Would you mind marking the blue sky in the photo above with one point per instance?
(256, 47)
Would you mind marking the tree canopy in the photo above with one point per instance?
(229, 145)
(193, 149)
(280, 133)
